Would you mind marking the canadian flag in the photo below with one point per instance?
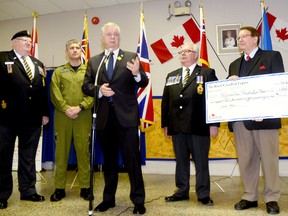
(168, 46)
(278, 31)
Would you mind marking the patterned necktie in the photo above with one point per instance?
(27, 68)
(110, 66)
(186, 77)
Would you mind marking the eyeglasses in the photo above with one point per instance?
(25, 40)
(186, 51)
(112, 35)
(243, 37)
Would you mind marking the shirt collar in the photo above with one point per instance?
(251, 54)
(116, 52)
(18, 55)
(192, 67)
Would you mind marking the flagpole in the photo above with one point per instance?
(85, 50)
(265, 39)
(203, 58)
(144, 95)
(259, 23)
(34, 35)
(210, 45)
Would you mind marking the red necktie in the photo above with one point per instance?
(248, 58)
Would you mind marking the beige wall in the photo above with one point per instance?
(55, 29)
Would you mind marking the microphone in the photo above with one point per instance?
(104, 60)
(108, 56)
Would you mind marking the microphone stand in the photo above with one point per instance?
(93, 136)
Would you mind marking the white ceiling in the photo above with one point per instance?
(15, 9)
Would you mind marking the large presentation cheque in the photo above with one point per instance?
(264, 96)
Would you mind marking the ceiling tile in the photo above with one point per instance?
(70, 5)
(101, 3)
(42, 7)
(4, 16)
(15, 9)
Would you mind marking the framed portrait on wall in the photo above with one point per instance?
(227, 42)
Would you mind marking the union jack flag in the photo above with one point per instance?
(145, 101)
(85, 51)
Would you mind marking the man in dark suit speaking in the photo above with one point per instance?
(257, 140)
(23, 110)
(183, 117)
(117, 114)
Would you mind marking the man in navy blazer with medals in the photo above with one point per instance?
(257, 140)
(117, 115)
(183, 117)
(23, 110)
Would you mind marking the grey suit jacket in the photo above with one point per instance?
(264, 62)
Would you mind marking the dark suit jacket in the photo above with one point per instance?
(183, 109)
(22, 101)
(264, 62)
(122, 83)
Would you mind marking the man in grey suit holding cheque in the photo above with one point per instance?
(257, 140)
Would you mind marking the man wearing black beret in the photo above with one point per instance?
(23, 111)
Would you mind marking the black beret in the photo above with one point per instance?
(23, 33)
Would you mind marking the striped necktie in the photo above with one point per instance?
(186, 77)
(27, 68)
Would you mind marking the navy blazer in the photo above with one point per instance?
(183, 109)
(22, 102)
(264, 62)
(122, 83)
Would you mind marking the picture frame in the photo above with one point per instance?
(227, 42)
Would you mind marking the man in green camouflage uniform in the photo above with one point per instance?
(72, 121)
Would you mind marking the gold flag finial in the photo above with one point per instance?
(263, 4)
(35, 14)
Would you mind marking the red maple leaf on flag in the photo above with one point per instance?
(177, 41)
(282, 34)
